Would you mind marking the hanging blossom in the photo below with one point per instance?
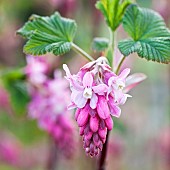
(97, 94)
(49, 99)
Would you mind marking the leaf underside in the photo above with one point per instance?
(100, 44)
(13, 81)
(113, 11)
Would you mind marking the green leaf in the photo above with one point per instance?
(109, 56)
(52, 34)
(25, 130)
(13, 81)
(100, 44)
(151, 38)
(113, 11)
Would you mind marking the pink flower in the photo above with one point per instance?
(36, 69)
(49, 100)
(82, 92)
(97, 93)
(116, 86)
(63, 133)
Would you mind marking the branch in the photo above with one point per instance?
(102, 161)
(52, 159)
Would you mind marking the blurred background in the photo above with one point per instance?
(140, 139)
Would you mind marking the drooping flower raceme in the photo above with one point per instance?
(49, 100)
(97, 93)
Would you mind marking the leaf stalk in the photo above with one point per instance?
(78, 50)
(120, 64)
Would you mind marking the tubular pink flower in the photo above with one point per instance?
(102, 108)
(82, 91)
(97, 93)
(94, 123)
(83, 116)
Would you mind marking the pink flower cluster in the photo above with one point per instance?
(49, 103)
(36, 69)
(97, 93)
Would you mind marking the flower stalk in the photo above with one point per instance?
(102, 161)
(52, 160)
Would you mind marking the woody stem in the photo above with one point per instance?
(102, 161)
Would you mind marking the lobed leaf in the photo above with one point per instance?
(48, 34)
(150, 37)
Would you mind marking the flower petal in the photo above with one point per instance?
(124, 98)
(93, 101)
(73, 79)
(115, 110)
(109, 123)
(133, 80)
(74, 94)
(102, 107)
(87, 80)
(71, 106)
(81, 131)
(118, 95)
(75, 84)
(108, 75)
(94, 123)
(100, 89)
(83, 116)
(77, 113)
(102, 133)
(66, 69)
(88, 65)
(111, 79)
(124, 73)
(79, 100)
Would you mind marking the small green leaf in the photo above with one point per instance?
(13, 81)
(151, 38)
(113, 11)
(100, 44)
(48, 34)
